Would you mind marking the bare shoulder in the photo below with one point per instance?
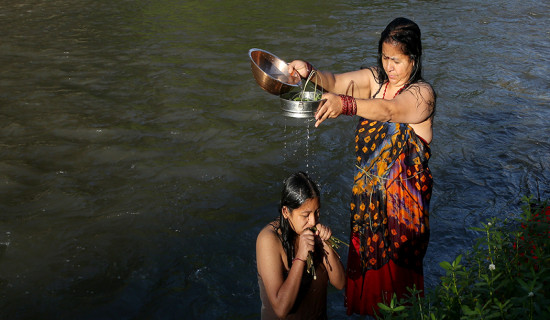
(371, 75)
(425, 97)
(358, 83)
(268, 236)
(371, 72)
(269, 251)
(423, 89)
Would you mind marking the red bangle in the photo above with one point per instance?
(349, 105)
(304, 261)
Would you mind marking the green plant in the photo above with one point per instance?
(393, 310)
(503, 276)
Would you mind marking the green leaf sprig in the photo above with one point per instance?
(333, 242)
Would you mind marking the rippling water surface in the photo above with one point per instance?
(139, 159)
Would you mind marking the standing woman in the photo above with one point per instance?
(392, 181)
(287, 289)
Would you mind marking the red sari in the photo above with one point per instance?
(389, 215)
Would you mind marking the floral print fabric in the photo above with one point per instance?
(390, 197)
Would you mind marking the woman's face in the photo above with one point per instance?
(397, 65)
(303, 217)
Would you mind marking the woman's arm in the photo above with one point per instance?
(331, 260)
(357, 83)
(415, 105)
(281, 292)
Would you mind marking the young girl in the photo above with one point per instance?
(287, 288)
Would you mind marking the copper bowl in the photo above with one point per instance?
(271, 73)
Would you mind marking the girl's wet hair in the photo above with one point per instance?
(406, 34)
(297, 189)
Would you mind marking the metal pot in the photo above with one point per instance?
(271, 73)
(300, 104)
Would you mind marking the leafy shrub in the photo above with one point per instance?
(503, 276)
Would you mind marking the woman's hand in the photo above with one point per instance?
(323, 232)
(305, 244)
(298, 66)
(331, 108)
(335, 268)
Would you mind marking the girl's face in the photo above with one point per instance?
(397, 65)
(304, 217)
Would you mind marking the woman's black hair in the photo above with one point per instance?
(297, 189)
(406, 34)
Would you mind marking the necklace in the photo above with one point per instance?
(398, 91)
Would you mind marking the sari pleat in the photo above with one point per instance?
(389, 215)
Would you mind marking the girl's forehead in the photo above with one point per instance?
(309, 204)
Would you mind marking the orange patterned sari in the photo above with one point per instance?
(389, 215)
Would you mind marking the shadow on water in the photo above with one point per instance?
(140, 159)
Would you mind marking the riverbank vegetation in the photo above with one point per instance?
(504, 276)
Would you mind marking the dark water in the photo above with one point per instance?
(139, 159)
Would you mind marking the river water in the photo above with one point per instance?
(139, 159)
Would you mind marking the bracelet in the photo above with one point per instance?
(349, 105)
(309, 68)
(304, 261)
